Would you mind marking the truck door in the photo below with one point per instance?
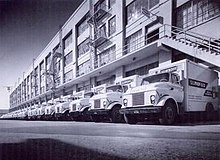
(176, 90)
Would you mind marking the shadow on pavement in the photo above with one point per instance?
(50, 149)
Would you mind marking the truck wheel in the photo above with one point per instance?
(85, 117)
(116, 117)
(169, 114)
(209, 112)
(130, 119)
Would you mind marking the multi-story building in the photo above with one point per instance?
(105, 40)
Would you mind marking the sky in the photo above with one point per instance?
(26, 27)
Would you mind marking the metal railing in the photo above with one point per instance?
(209, 44)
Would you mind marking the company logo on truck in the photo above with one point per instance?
(171, 69)
(196, 83)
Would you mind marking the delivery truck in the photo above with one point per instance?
(169, 92)
(107, 104)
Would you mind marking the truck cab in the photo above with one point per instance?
(80, 105)
(108, 104)
(34, 113)
(62, 108)
(50, 110)
(41, 111)
(145, 100)
(23, 113)
(31, 111)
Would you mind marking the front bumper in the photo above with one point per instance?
(58, 115)
(98, 112)
(48, 116)
(75, 114)
(141, 110)
(40, 116)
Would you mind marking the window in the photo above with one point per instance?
(68, 40)
(107, 56)
(84, 68)
(42, 89)
(111, 3)
(101, 32)
(57, 81)
(195, 12)
(100, 5)
(48, 60)
(57, 67)
(68, 76)
(83, 47)
(142, 70)
(174, 79)
(152, 36)
(134, 9)
(112, 26)
(153, 3)
(83, 25)
(110, 80)
(134, 42)
(42, 66)
(68, 58)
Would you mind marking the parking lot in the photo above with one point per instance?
(56, 140)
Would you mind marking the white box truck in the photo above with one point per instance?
(107, 104)
(171, 91)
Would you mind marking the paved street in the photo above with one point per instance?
(44, 140)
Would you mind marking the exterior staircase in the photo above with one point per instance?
(196, 45)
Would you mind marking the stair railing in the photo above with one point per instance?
(201, 41)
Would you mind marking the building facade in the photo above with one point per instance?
(105, 40)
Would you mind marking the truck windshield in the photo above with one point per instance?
(117, 88)
(88, 94)
(164, 77)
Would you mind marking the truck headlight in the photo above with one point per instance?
(152, 99)
(104, 103)
(125, 102)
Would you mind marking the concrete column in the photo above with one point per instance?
(45, 75)
(62, 59)
(93, 82)
(119, 73)
(164, 57)
(91, 33)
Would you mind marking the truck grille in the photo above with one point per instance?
(73, 107)
(97, 103)
(138, 99)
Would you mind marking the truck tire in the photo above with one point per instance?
(209, 115)
(130, 119)
(169, 114)
(116, 117)
(85, 116)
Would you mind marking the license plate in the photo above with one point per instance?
(95, 112)
(136, 112)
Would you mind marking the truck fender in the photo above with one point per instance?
(111, 105)
(82, 109)
(164, 99)
(64, 111)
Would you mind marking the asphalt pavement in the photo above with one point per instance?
(54, 140)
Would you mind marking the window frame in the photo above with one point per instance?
(110, 32)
